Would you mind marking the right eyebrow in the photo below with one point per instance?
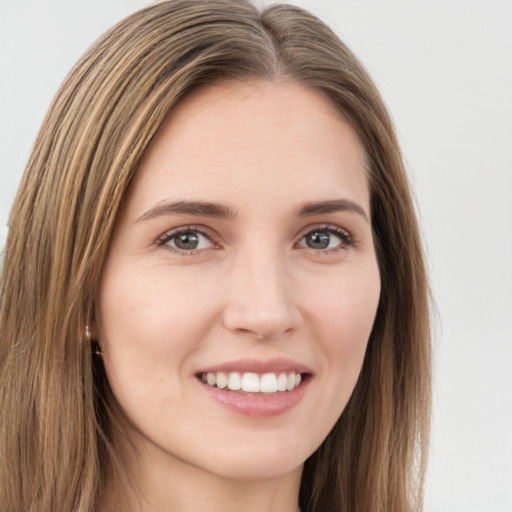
(196, 208)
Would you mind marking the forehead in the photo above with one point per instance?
(250, 138)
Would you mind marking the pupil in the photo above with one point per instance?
(318, 240)
(187, 241)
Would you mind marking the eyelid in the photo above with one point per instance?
(162, 240)
(347, 240)
(344, 234)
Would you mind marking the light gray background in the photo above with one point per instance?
(445, 70)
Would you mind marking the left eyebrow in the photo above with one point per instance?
(332, 206)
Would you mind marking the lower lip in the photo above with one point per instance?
(257, 405)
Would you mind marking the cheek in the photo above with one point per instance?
(343, 315)
(145, 307)
(149, 322)
(145, 332)
(346, 307)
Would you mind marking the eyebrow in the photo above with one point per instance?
(197, 208)
(220, 211)
(332, 206)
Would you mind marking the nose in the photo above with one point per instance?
(261, 301)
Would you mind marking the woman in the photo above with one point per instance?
(214, 293)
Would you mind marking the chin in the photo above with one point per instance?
(261, 461)
(257, 470)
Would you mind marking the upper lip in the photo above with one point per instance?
(276, 365)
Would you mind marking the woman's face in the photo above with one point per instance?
(243, 256)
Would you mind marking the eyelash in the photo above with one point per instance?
(167, 237)
(347, 240)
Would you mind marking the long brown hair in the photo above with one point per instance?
(55, 402)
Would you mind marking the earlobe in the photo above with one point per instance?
(91, 327)
(91, 332)
(93, 342)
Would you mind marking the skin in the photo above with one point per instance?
(253, 289)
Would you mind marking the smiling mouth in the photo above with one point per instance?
(250, 382)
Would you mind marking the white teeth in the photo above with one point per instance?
(281, 382)
(234, 381)
(222, 380)
(268, 383)
(252, 382)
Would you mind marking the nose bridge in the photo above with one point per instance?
(261, 296)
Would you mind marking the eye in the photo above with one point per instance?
(327, 238)
(186, 241)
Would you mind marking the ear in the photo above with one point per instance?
(91, 328)
(91, 331)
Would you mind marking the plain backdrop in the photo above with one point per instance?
(444, 68)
